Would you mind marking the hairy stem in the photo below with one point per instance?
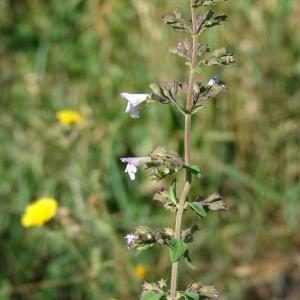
(187, 150)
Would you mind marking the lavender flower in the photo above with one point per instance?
(132, 164)
(213, 81)
(134, 100)
(130, 239)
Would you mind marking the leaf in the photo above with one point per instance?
(188, 260)
(172, 192)
(188, 295)
(197, 208)
(177, 249)
(151, 296)
(195, 170)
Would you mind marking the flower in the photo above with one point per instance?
(206, 291)
(130, 239)
(213, 81)
(160, 160)
(164, 162)
(142, 238)
(69, 117)
(140, 271)
(214, 202)
(132, 164)
(134, 100)
(39, 212)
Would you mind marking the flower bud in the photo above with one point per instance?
(227, 59)
(144, 232)
(142, 238)
(159, 238)
(155, 88)
(215, 90)
(217, 205)
(158, 288)
(213, 197)
(161, 92)
(169, 232)
(208, 291)
(214, 202)
(197, 3)
(182, 49)
(196, 86)
(176, 21)
(175, 86)
(187, 234)
(163, 197)
(164, 162)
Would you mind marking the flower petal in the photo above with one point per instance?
(134, 113)
(135, 99)
(136, 161)
(212, 81)
(131, 170)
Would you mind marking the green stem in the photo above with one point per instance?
(187, 150)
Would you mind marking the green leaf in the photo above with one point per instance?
(172, 192)
(195, 170)
(177, 249)
(188, 260)
(151, 296)
(197, 208)
(188, 295)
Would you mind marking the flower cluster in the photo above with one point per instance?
(161, 161)
(144, 237)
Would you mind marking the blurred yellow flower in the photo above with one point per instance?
(39, 212)
(140, 271)
(69, 117)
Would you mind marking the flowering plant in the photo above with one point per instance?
(165, 163)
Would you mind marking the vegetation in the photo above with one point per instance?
(78, 55)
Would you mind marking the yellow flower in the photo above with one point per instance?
(39, 212)
(140, 271)
(69, 117)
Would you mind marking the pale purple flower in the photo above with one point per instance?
(132, 164)
(212, 81)
(130, 239)
(134, 100)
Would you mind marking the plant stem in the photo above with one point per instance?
(187, 149)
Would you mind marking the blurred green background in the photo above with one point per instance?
(81, 54)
